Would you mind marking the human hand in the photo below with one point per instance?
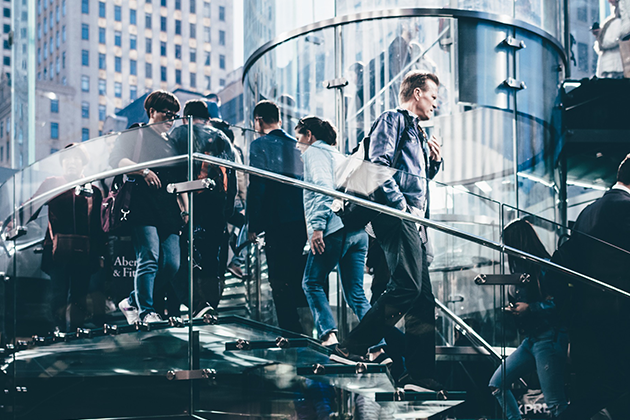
(152, 180)
(518, 308)
(435, 150)
(252, 236)
(317, 242)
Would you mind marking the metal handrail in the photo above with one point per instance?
(407, 216)
(43, 198)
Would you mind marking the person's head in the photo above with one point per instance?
(310, 129)
(520, 234)
(623, 173)
(198, 110)
(266, 116)
(73, 159)
(418, 93)
(161, 106)
(219, 124)
(213, 97)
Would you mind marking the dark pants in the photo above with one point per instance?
(286, 262)
(408, 294)
(69, 285)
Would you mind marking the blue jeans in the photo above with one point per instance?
(348, 250)
(157, 261)
(545, 352)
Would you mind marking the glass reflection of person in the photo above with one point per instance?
(330, 241)
(609, 63)
(156, 217)
(545, 346)
(75, 216)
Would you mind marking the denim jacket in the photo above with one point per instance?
(319, 169)
(409, 186)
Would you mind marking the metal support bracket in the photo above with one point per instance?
(501, 279)
(337, 83)
(15, 233)
(196, 185)
(514, 84)
(187, 375)
(513, 43)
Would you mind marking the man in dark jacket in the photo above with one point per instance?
(211, 209)
(397, 140)
(277, 209)
(599, 330)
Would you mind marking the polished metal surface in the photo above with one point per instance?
(402, 13)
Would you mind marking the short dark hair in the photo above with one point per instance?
(197, 109)
(267, 111)
(623, 173)
(320, 129)
(161, 100)
(219, 124)
(415, 79)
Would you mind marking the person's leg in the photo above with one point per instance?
(516, 365)
(550, 352)
(285, 262)
(400, 242)
(59, 284)
(318, 266)
(352, 270)
(77, 297)
(420, 328)
(146, 242)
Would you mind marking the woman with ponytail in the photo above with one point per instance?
(331, 244)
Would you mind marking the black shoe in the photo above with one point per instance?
(205, 309)
(341, 355)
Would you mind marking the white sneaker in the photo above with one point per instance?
(151, 317)
(130, 312)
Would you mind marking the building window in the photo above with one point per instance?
(85, 83)
(85, 6)
(206, 34)
(132, 16)
(102, 112)
(85, 31)
(147, 21)
(163, 49)
(45, 25)
(133, 64)
(178, 76)
(163, 73)
(101, 35)
(148, 45)
(102, 86)
(163, 3)
(582, 56)
(117, 64)
(101, 9)
(221, 61)
(133, 41)
(163, 23)
(57, 14)
(178, 27)
(118, 89)
(193, 30)
(85, 110)
(208, 83)
(133, 92)
(178, 4)
(222, 13)
(193, 55)
(54, 105)
(7, 61)
(222, 82)
(193, 80)
(102, 61)
(85, 58)
(148, 71)
(85, 134)
(57, 66)
(57, 42)
(206, 9)
(118, 13)
(193, 6)
(206, 62)
(63, 60)
(222, 38)
(63, 7)
(118, 38)
(63, 33)
(39, 52)
(178, 52)
(54, 130)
